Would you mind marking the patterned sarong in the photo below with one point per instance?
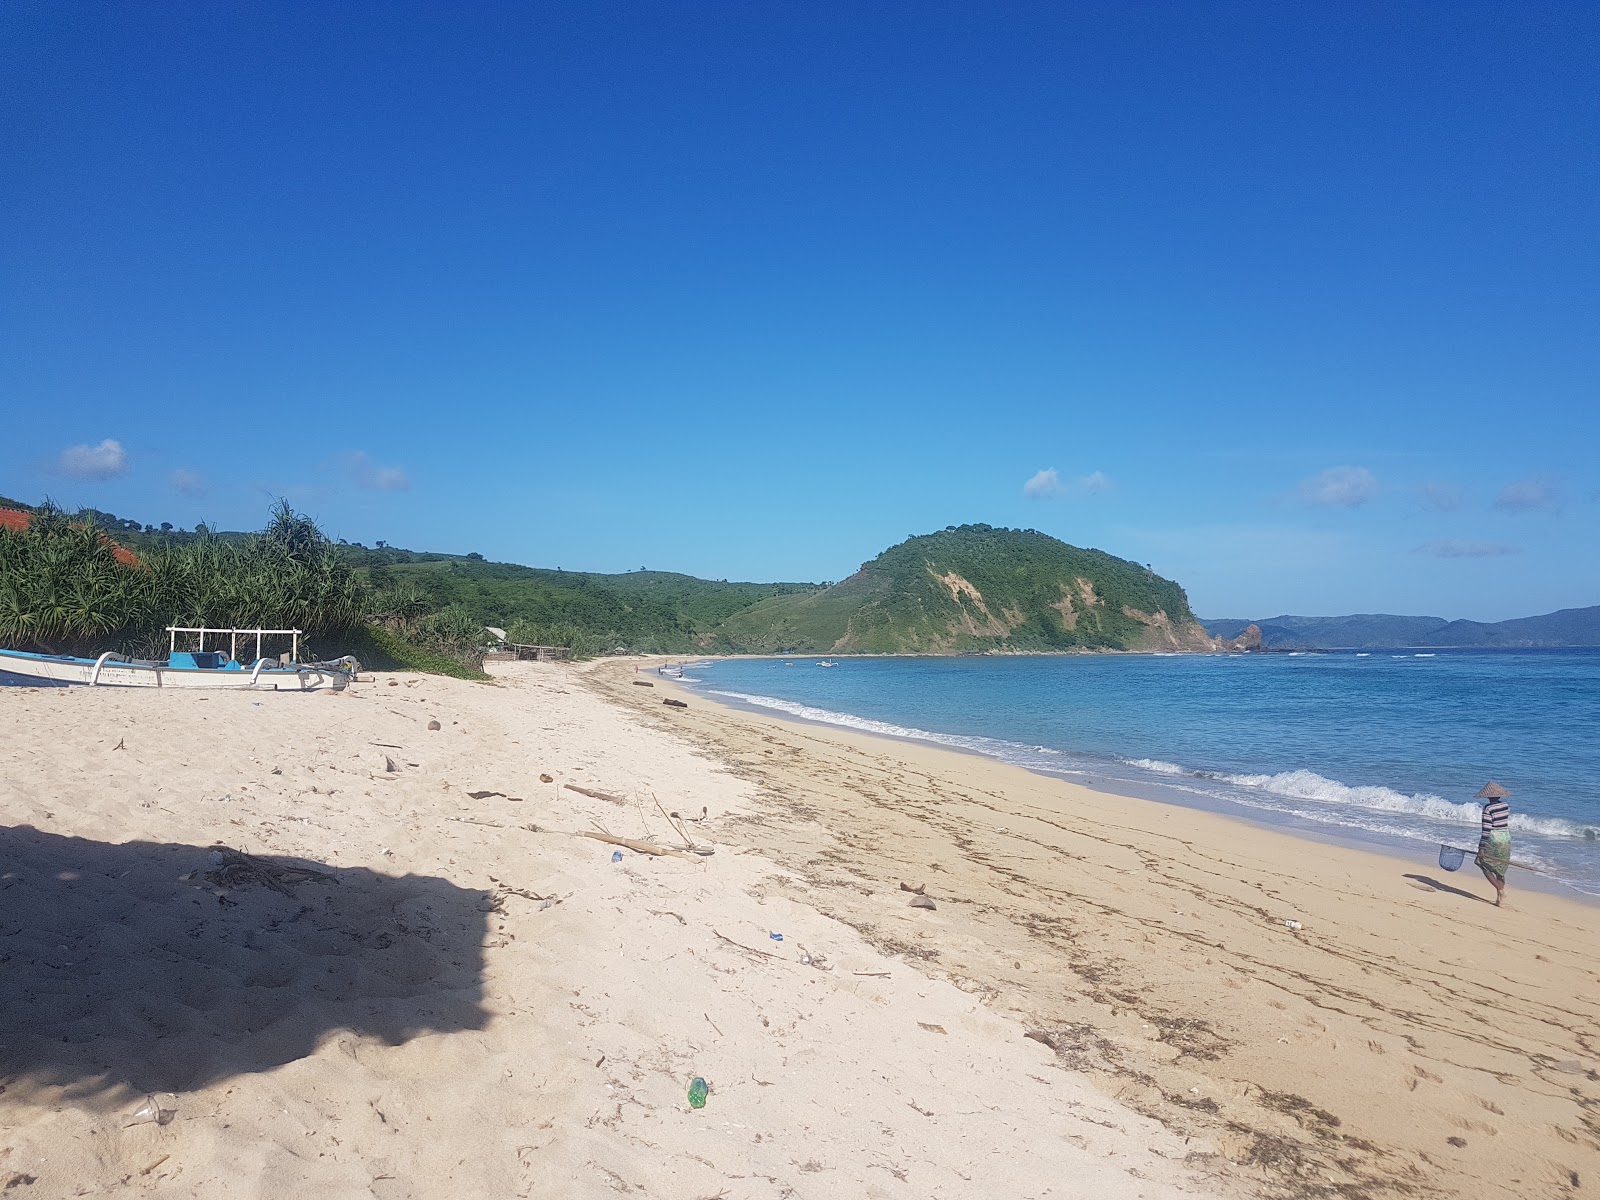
(1494, 853)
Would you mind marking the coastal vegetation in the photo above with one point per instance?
(93, 581)
(67, 585)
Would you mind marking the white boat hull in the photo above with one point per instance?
(64, 669)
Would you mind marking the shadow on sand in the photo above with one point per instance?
(1436, 885)
(116, 973)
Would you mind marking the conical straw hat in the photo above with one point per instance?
(1492, 791)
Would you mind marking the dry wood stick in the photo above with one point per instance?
(592, 794)
(634, 844)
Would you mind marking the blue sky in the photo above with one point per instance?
(1296, 303)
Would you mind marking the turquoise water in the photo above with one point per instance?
(1383, 749)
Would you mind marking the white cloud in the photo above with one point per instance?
(187, 482)
(368, 474)
(1340, 487)
(1530, 495)
(1043, 483)
(1048, 482)
(1444, 497)
(1457, 548)
(105, 461)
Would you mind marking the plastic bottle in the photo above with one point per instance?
(697, 1093)
(616, 856)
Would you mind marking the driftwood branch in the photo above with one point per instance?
(634, 844)
(594, 795)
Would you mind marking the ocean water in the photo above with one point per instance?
(1383, 750)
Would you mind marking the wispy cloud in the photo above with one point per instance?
(1043, 483)
(105, 461)
(1340, 487)
(1530, 495)
(1442, 497)
(368, 474)
(1457, 548)
(187, 483)
(1048, 482)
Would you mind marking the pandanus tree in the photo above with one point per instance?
(62, 585)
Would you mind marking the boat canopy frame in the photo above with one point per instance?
(234, 635)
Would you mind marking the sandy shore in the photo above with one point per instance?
(467, 999)
(408, 990)
(1410, 1040)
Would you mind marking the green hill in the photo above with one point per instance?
(974, 588)
(966, 589)
(650, 611)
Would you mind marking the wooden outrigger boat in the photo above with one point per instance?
(190, 668)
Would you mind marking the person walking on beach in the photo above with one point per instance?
(1494, 845)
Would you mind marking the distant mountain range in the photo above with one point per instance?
(1381, 631)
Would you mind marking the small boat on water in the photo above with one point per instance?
(827, 664)
(189, 668)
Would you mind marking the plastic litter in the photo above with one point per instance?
(616, 856)
(151, 1113)
(777, 937)
(1293, 925)
(697, 1093)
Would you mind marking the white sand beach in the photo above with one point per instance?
(1103, 1000)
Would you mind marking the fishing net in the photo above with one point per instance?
(1451, 857)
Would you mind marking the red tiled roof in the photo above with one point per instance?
(15, 518)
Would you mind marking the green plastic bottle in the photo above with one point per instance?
(697, 1093)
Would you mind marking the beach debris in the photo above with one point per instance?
(932, 1028)
(872, 974)
(235, 869)
(502, 795)
(592, 794)
(389, 765)
(547, 778)
(741, 946)
(675, 704)
(673, 820)
(154, 1165)
(919, 889)
(616, 856)
(633, 844)
(150, 1113)
(923, 902)
(642, 683)
(1457, 1141)
(698, 1091)
(1294, 925)
(121, 744)
(434, 726)
(777, 937)
(809, 959)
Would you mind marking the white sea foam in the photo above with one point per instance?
(1308, 785)
(1158, 766)
(849, 720)
(1301, 793)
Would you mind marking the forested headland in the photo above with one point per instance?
(91, 581)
